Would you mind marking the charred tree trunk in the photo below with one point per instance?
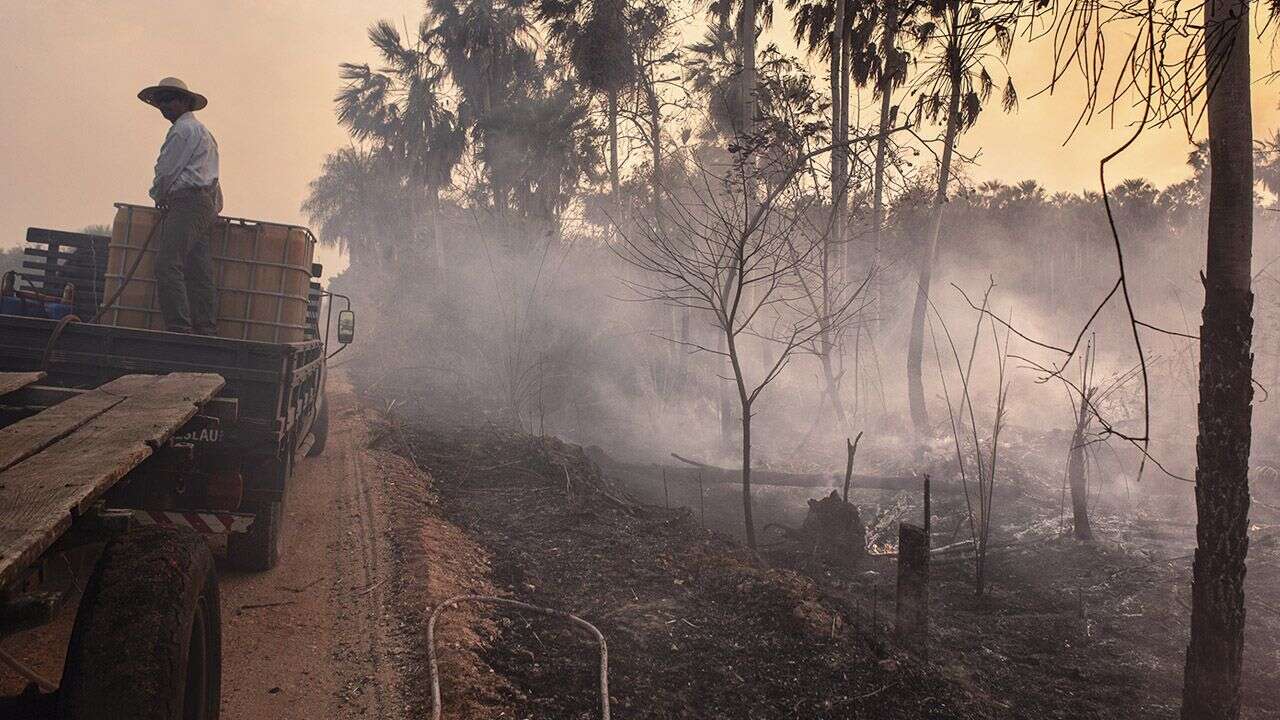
(882, 151)
(929, 251)
(725, 400)
(911, 626)
(1211, 688)
(837, 43)
(1076, 475)
(744, 404)
(614, 180)
(747, 39)
(842, 212)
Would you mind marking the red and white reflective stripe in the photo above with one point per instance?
(206, 523)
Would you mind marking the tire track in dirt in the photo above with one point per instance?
(304, 639)
(366, 534)
(338, 629)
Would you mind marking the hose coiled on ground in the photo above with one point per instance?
(437, 708)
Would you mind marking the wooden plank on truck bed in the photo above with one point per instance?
(41, 496)
(10, 381)
(29, 436)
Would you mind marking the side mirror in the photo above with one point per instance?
(346, 327)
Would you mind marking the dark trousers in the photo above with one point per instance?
(184, 265)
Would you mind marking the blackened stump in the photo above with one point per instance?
(912, 623)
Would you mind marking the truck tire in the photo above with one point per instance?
(147, 639)
(258, 549)
(320, 429)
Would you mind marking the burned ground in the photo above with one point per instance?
(699, 627)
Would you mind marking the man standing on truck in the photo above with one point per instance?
(187, 192)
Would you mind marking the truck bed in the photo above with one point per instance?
(54, 464)
(269, 381)
(11, 381)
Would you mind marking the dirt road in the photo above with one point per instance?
(338, 629)
(317, 636)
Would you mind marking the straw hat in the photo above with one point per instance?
(172, 84)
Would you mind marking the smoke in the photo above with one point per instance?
(540, 325)
(537, 318)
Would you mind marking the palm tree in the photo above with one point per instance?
(356, 202)
(714, 64)
(536, 150)
(961, 40)
(1215, 653)
(1135, 203)
(859, 39)
(529, 131)
(888, 62)
(868, 52)
(751, 14)
(597, 36)
(399, 108)
(487, 51)
(653, 39)
(825, 27)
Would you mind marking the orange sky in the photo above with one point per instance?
(73, 138)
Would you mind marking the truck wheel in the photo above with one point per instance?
(147, 639)
(320, 429)
(259, 548)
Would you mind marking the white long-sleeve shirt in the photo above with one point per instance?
(188, 159)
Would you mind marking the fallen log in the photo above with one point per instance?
(694, 472)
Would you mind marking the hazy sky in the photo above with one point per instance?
(74, 138)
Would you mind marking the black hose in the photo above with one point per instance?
(437, 708)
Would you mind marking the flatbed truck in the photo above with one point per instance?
(129, 458)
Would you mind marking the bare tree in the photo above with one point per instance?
(741, 261)
(1077, 470)
(838, 302)
(972, 463)
(790, 117)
